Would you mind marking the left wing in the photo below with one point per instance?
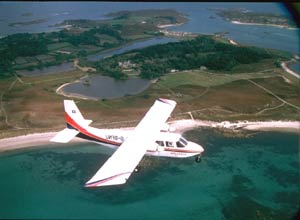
(118, 168)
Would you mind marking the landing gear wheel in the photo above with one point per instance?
(137, 169)
(198, 159)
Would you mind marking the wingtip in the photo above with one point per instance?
(112, 180)
(167, 101)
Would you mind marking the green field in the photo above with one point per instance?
(210, 96)
(207, 79)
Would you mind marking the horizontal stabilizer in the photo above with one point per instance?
(88, 122)
(65, 135)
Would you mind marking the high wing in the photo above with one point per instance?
(118, 168)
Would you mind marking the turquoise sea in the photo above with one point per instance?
(255, 177)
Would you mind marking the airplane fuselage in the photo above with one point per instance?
(167, 144)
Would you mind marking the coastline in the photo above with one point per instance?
(288, 70)
(260, 24)
(60, 91)
(169, 25)
(179, 126)
(29, 141)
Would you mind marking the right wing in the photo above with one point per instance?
(118, 168)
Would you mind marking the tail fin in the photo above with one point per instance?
(75, 123)
(74, 117)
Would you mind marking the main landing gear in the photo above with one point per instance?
(137, 169)
(198, 159)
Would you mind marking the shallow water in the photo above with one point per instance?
(103, 87)
(136, 45)
(64, 67)
(295, 67)
(239, 178)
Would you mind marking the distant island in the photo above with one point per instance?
(79, 38)
(243, 16)
(25, 23)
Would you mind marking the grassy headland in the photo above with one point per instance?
(202, 52)
(32, 105)
(244, 16)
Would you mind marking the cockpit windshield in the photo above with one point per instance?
(181, 143)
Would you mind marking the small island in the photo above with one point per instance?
(25, 23)
(243, 16)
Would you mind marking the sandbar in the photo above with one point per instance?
(260, 24)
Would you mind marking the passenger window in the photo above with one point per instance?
(160, 143)
(169, 144)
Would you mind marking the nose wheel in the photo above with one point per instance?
(198, 159)
(137, 169)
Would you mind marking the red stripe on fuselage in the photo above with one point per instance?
(87, 133)
(181, 150)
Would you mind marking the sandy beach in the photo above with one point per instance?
(180, 126)
(169, 25)
(60, 91)
(30, 141)
(273, 25)
(283, 126)
(288, 70)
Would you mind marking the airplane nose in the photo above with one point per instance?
(201, 149)
(198, 147)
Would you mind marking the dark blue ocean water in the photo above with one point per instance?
(239, 178)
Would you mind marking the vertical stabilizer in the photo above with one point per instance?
(74, 117)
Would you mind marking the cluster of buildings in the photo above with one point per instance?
(126, 64)
(177, 33)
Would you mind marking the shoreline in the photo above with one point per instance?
(288, 70)
(178, 126)
(169, 25)
(260, 24)
(60, 91)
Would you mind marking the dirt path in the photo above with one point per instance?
(2, 109)
(271, 93)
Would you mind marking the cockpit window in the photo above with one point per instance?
(181, 143)
(182, 140)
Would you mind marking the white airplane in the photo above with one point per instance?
(147, 138)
